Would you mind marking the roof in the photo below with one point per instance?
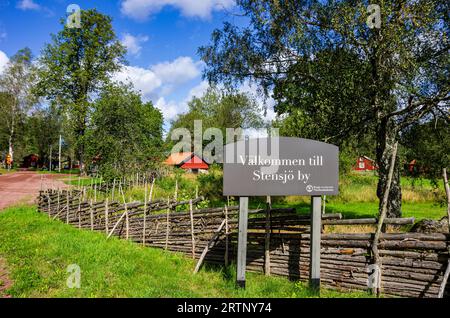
(186, 160)
(178, 158)
(195, 163)
(365, 157)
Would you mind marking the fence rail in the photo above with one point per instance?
(412, 264)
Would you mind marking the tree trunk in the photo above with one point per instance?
(386, 138)
(80, 154)
(12, 131)
(81, 114)
(10, 147)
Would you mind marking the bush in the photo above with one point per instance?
(211, 184)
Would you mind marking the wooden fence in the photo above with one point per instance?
(412, 264)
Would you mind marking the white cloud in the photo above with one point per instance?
(28, 5)
(160, 79)
(133, 43)
(141, 9)
(142, 79)
(170, 109)
(178, 71)
(31, 5)
(198, 91)
(3, 61)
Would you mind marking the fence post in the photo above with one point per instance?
(91, 211)
(106, 216)
(167, 224)
(176, 190)
(192, 228)
(145, 215)
(58, 205)
(67, 205)
(79, 214)
(267, 237)
(242, 242)
(49, 204)
(316, 229)
(127, 224)
(226, 235)
(113, 189)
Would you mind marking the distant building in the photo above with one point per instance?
(188, 161)
(364, 163)
(30, 161)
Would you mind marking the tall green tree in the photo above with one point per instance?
(41, 132)
(16, 98)
(400, 51)
(75, 67)
(125, 134)
(221, 110)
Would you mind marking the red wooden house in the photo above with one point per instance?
(30, 161)
(188, 161)
(364, 163)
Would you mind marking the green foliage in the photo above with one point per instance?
(38, 251)
(41, 131)
(429, 144)
(219, 110)
(211, 184)
(16, 101)
(75, 66)
(292, 45)
(125, 134)
(333, 75)
(330, 103)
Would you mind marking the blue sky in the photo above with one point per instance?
(162, 37)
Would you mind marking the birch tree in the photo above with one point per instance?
(399, 47)
(15, 86)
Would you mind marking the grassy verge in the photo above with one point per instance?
(420, 210)
(38, 251)
(5, 171)
(357, 197)
(74, 172)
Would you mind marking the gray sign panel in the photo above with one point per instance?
(280, 166)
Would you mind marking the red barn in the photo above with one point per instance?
(188, 161)
(364, 163)
(30, 161)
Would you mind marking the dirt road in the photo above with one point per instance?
(24, 186)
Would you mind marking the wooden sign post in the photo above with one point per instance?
(314, 252)
(279, 166)
(242, 242)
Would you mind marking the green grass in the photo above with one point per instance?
(75, 172)
(38, 251)
(357, 197)
(84, 181)
(422, 210)
(5, 171)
